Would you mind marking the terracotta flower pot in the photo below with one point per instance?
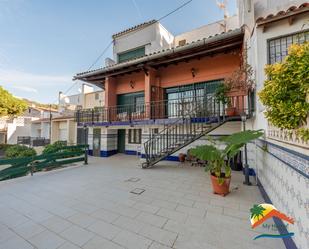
(222, 189)
(230, 111)
(182, 157)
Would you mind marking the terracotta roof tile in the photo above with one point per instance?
(304, 6)
(133, 28)
(153, 53)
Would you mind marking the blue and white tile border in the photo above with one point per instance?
(284, 176)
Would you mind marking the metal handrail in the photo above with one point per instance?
(170, 138)
(169, 108)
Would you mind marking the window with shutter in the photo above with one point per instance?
(131, 54)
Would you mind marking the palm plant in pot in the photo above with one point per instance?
(218, 158)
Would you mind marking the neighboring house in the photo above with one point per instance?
(150, 79)
(63, 126)
(26, 125)
(64, 129)
(40, 128)
(271, 26)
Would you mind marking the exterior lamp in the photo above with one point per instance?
(193, 72)
(247, 180)
(131, 84)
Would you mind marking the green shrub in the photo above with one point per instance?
(55, 147)
(286, 90)
(303, 133)
(4, 147)
(17, 151)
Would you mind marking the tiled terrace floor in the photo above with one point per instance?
(91, 207)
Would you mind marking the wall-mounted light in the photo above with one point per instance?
(131, 84)
(193, 72)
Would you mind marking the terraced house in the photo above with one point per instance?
(160, 97)
(160, 88)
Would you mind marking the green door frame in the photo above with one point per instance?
(121, 141)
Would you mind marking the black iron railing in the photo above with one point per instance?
(198, 118)
(32, 141)
(172, 108)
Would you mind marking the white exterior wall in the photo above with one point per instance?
(153, 37)
(45, 129)
(35, 130)
(64, 130)
(90, 138)
(258, 58)
(20, 126)
(287, 188)
(283, 170)
(208, 30)
(90, 101)
(40, 129)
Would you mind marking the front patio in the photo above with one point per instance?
(91, 207)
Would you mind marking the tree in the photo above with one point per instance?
(10, 105)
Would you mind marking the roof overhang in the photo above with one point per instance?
(207, 46)
(288, 14)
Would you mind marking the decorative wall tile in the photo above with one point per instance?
(284, 175)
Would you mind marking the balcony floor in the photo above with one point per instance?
(91, 207)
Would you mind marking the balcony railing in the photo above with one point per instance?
(287, 136)
(172, 108)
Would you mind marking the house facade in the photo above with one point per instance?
(283, 167)
(33, 123)
(146, 90)
(159, 100)
(64, 128)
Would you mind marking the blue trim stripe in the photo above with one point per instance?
(290, 151)
(168, 158)
(132, 152)
(103, 153)
(148, 122)
(107, 153)
(251, 172)
(172, 158)
(288, 164)
(288, 241)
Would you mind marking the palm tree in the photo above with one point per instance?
(257, 211)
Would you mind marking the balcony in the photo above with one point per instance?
(156, 111)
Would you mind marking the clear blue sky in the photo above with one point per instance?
(44, 43)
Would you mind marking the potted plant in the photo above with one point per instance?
(219, 159)
(182, 157)
(221, 97)
(239, 83)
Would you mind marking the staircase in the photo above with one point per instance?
(197, 118)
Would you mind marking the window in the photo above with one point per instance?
(180, 99)
(132, 54)
(135, 136)
(278, 47)
(155, 130)
(96, 96)
(131, 102)
(139, 104)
